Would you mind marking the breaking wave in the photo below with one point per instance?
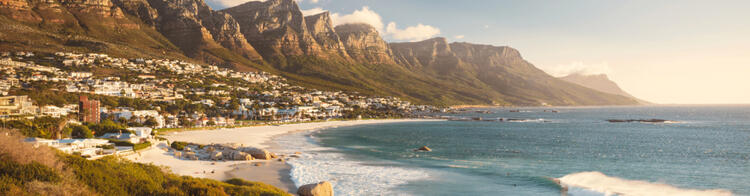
(607, 185)
(349, 177)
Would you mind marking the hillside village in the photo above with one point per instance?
(138, 95)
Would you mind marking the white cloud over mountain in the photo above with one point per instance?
(364, 15)
(412, 33)
(368, 16)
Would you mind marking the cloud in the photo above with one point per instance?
(313, 11)
(459, 36)
(579, 68)
(368, 16)
(412, 33)
(364, 15)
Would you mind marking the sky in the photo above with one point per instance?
(667, 51)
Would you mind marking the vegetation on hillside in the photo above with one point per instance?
(28, 170)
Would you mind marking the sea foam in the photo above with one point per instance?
(607, 185)
(348, 177)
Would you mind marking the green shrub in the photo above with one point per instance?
(141, 145)
(113, 176)
(121, 143)
(80, 132)
(178, 145)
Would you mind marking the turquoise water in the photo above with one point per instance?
(707, 148)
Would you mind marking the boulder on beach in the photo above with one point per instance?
(258, 153)
(423, 149)
(237, 155)
(320, 189)
(190, 155)
(216, 155)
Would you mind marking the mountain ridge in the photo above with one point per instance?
(275, 36)
(600, 82)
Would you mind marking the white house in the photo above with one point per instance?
(144, 132)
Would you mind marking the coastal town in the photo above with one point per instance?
(95, 105)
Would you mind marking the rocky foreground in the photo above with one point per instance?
(220, 152)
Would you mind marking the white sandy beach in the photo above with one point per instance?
(258, 136)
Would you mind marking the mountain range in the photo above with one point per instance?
(275, 36)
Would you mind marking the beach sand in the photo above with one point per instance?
(271, 172)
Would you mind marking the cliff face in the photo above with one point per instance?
(364, 44)
(321, 28)
(434, 54)
(139, 8)
(19, 10)
(275, 27)
(179, 21)
(226, 31)
(200, 31)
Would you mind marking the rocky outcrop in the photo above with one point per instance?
(139, 8)
(276, 28)
(320, 189)
(178, 21)
(364, 44)
(19, 10)
(258, 153)
(200, 31)
(321, 28)
(226, 31)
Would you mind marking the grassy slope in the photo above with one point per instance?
(25, 170)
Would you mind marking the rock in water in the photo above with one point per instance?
(320, 189)
(424, 148)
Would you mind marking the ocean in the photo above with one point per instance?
(701, 150)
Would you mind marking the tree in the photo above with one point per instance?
(106, 126)
(81, 132)
(151, 122)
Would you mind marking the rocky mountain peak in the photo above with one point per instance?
(275, 27)
(364, 44)
(321, 28)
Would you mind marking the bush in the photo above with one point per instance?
(107, 126)
(80, 132)
(25, 170)
(177, 145)
(141, 145)
(121, 143)
(107, 147)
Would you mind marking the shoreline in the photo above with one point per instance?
(271, 172)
